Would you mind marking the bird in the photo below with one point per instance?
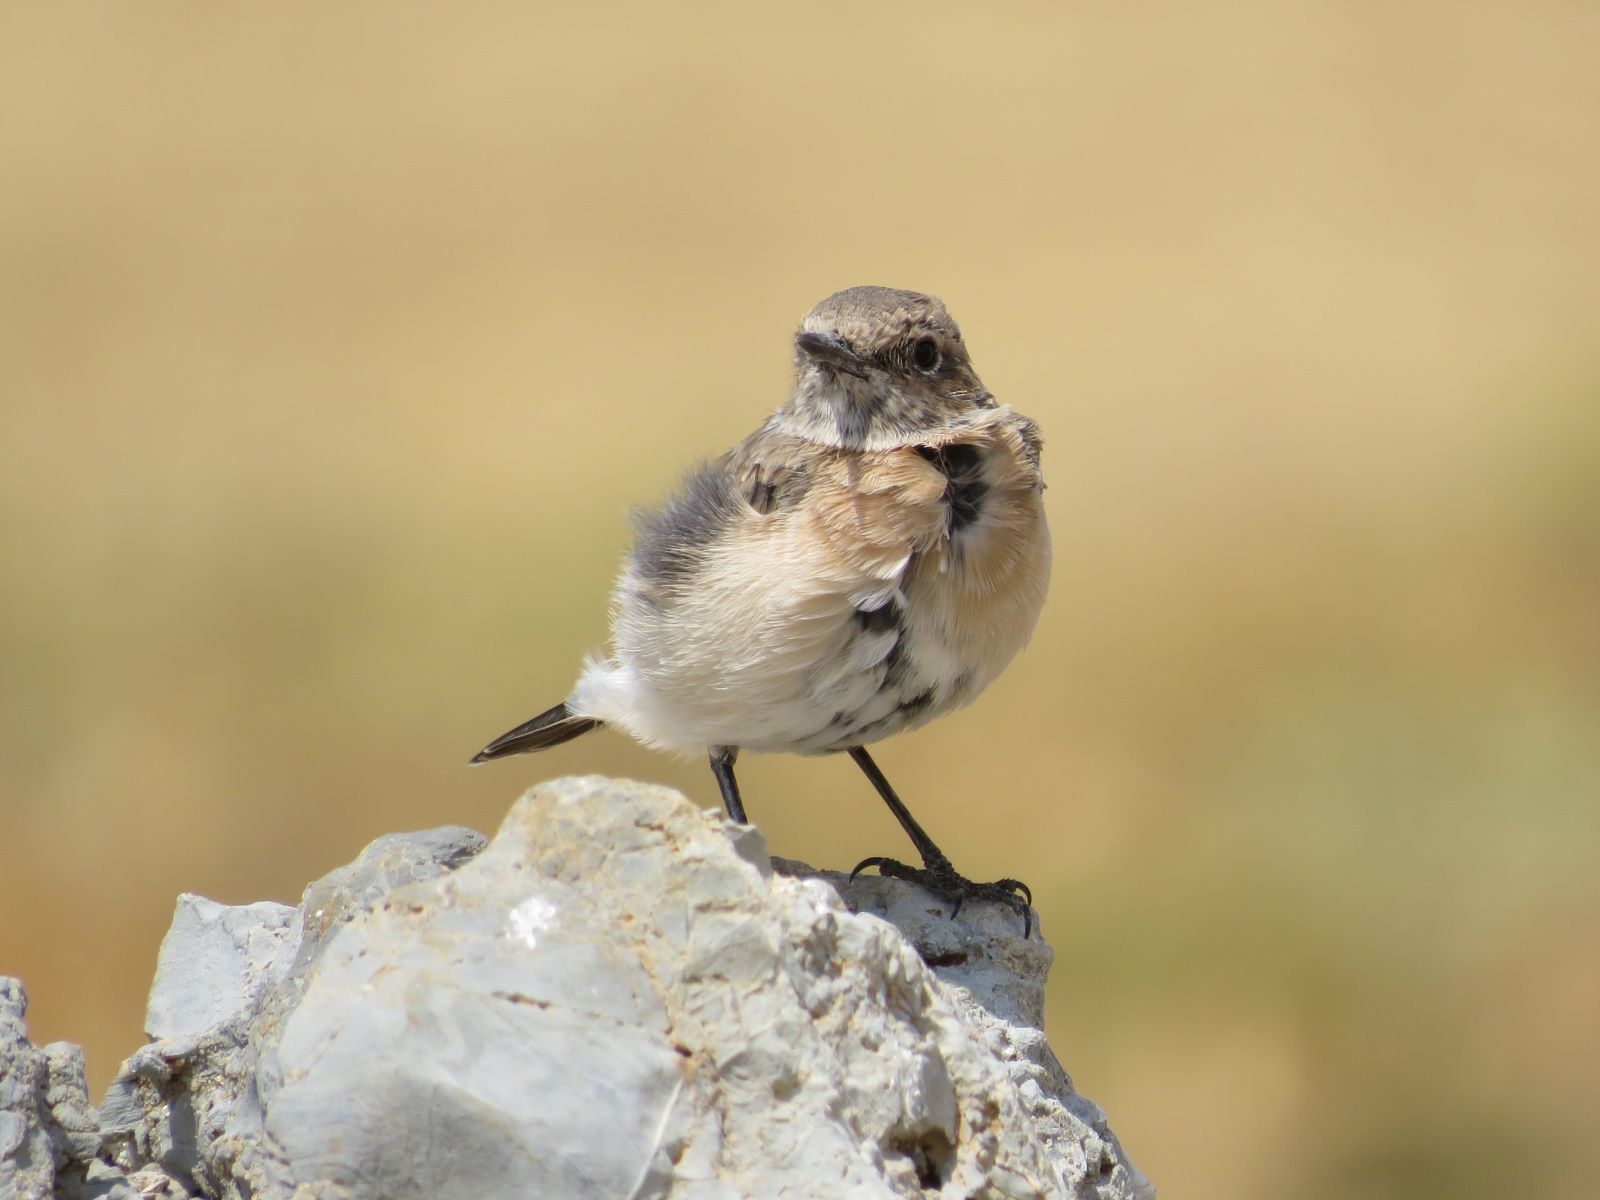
(869, 559)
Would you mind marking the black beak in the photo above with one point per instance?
(829, 349)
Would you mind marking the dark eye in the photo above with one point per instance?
(925, 355)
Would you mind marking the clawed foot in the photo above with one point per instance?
(940, 878)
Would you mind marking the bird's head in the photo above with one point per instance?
(876, 367)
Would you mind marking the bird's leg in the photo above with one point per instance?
(722, 760)
(936, 873)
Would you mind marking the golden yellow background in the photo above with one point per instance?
(338, 338)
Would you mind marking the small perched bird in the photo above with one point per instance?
(869, 559)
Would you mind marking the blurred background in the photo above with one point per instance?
(337, 341)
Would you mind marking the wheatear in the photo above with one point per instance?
(869, 559)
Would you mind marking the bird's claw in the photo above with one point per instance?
(943, 881)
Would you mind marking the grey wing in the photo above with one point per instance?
(765, 473)
(670, 542)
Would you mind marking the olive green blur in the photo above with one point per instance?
(336, 340)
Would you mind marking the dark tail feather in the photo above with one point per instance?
(546, 730)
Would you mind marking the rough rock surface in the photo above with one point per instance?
(619, 997)
(48, 1133)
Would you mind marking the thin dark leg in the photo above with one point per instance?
(722, 760)
(931, 854)
(936, 874)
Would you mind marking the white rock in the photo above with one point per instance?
(619, 997)
(48, 1135)
(614, 1001)
(186, 1111)
(215, 962)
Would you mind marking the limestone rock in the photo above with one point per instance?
(48, 1132)
(996, 979)
(184, 1116)
(215, 962)
(619, 997)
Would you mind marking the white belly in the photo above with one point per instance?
(769, 651)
